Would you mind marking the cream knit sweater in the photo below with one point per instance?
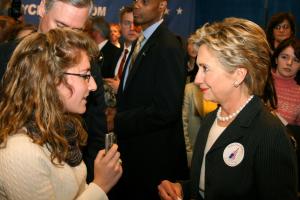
(26, 172)
(288, 95)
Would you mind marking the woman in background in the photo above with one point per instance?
(281, 26)
(286, 75)
(44, 90)
(115, 34)
(191, 66)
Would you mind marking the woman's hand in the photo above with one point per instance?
(107, 168)
(170, 191)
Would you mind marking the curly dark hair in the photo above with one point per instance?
(29, 95)
(276, 20)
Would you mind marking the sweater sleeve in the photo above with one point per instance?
(93, 192)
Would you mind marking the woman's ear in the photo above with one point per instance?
(242, 71)
(41, 8)
(240, 74)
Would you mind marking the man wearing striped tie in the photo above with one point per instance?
(130, 33)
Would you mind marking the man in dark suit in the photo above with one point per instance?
(72, 14)
(130, 33)
(110, 53)
(6, 50)
(98, 105)
(148, 122)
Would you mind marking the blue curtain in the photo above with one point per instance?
(180, 16)
(184, 16)
(258, 11)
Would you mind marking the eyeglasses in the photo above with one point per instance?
(127, 23)
(84, 76)
(283, 26)
(287, 57)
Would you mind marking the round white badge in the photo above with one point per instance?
(233, 154)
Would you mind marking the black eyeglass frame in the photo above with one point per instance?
(84, 76)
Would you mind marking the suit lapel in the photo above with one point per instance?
(231, 134)
(199, 150)
(142, 54)
(236, 129)
(152, 41)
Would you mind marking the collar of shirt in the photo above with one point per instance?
(101, 44)
(127, 47)
(150, 30)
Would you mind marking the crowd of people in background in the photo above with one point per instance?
(213, 116)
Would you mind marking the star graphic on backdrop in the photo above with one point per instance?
(179, 11)
(167, 11)
(122, 8)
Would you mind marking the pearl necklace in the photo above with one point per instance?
(229, 117)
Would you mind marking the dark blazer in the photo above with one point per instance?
(6, 50)
(148, 123)
(111, 54)
(267, 170)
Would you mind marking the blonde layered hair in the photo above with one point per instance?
(238, 43)
(29, 89)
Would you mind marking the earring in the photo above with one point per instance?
(236, 84)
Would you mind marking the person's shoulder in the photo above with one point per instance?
(20, 142)
(6, 50)
(110, 50)
(21, 147)
(111, 46)
(23, 162)
(269, 125)
(8, 46)
(21, 156)
(163, 31)
(168, 39)
(256, 113)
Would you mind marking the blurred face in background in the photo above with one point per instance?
(130, 32)
(191, 50)
(287, 63)
(115, 32)
(62, 15)
(282, 31)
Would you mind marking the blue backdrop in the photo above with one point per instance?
(180, 15)
(184, 16)
(258, 11)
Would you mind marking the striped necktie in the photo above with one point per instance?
(122, 63)
(136, 50)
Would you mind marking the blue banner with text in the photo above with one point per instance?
(180, 15)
